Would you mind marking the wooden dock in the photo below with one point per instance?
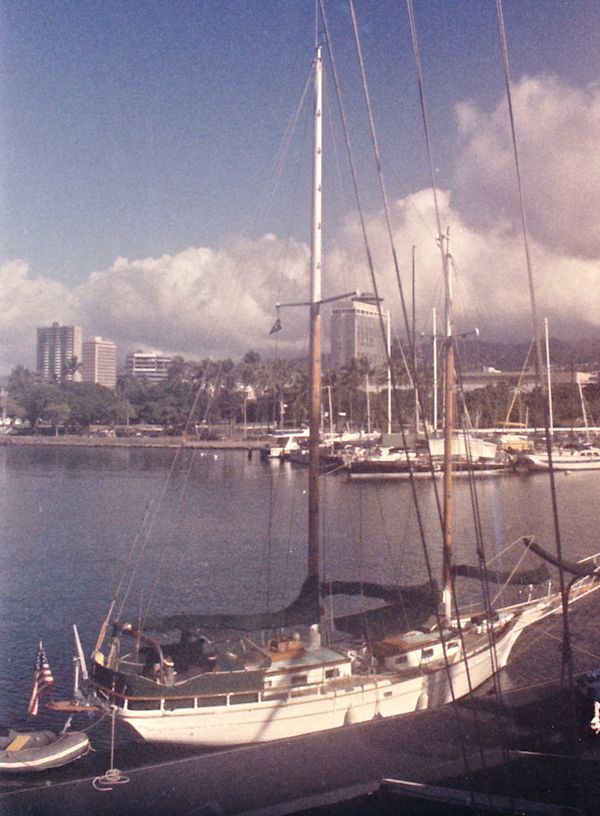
(519, 749)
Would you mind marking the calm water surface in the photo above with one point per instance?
(224, 532)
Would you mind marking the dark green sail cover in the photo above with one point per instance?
(408, 608)
(537, 575)
(579, 570)
(304, 610)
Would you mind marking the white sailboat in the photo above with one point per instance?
(233, 679)
(563, 459)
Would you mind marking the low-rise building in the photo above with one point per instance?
(150, 365)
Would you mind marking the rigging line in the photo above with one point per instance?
(480, 550)
(479, 537)
(398, 407)
(292, 208)
(461, 292)
(503, 551)
(280, 158)
(417, 58)
(393, 557)
(264, 560)
(163, 557)
(156, 506)
(292, 519)
(520, 380)
(550, 634)
(397, 403)
(144, 543)
(528, 644)
(410, 334)
(567, 660)
(411, 382)
(377, 155)
(513, 571)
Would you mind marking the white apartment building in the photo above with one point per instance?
(356, 333)
(99, 362)
(151, 365)
(59, 349)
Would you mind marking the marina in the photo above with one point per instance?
(301, 623)
(42, 491)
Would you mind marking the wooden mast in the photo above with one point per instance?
(315, 328)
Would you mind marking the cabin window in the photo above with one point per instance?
(172, 705)
(453, 645)
(426, 653)
(298, 679)
(331, 673)
(243, 697)
(211, 700)
(387, 694)
(402, 659)
(144, 705)
(275, 695)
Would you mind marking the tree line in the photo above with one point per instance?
(271, 394)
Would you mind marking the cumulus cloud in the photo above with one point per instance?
(25, 303)
(558, 132)
(219, 301)
(200, 302)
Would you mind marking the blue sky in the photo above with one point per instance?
(139, 130)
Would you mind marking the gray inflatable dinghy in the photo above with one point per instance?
(24, 751)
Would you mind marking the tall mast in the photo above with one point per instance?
(315, 327)
(448, 428)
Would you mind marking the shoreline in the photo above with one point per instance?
(82, 440)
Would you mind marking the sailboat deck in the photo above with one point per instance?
(312, 657)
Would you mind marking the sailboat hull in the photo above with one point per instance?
(324, 709)
(219, 726)
(354, 698)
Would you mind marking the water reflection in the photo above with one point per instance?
(227, 534)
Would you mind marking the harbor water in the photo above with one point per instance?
(225, 531)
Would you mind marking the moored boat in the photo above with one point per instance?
(25, 751)
(587, 458)
(225, 679)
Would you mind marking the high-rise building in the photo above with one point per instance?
(356, 333)
(151, 365)
(59, 352)
(99, 362)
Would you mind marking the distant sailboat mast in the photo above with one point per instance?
(548, 376)
(435, 377)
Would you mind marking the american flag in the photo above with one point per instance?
(42, 679)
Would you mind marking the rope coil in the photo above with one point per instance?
(113, 776)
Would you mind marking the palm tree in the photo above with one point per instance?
(246, 371)
(71, 368)
(353, 377)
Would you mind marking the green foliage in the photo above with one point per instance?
(253, 390)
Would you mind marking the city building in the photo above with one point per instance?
(356, 333)
(99, 362)
(59, 353)
(151, 365)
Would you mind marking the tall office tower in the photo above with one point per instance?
(58, 353)
(100, 362)
(151, 365)
(356, 333)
